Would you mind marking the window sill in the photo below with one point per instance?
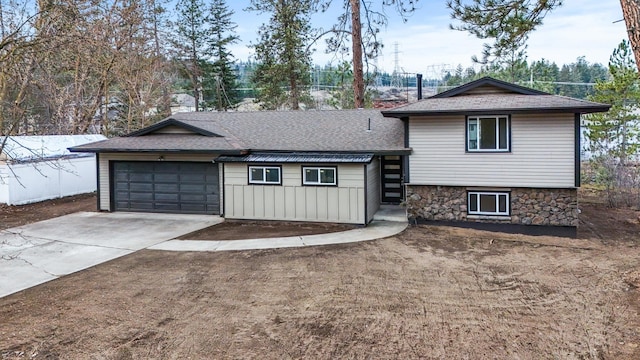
(489, 217)
(488, 151)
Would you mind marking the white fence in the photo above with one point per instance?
(23, 183)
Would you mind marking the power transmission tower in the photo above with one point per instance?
(396, 79)
(434, 76)
(376, 81)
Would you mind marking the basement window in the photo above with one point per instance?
(488, 203)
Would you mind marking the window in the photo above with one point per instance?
(319, 176)
(488, 133)
(264, 175)
(488, 203)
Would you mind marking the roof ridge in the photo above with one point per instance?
(232, 139)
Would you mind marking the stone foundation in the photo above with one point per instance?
(556, 207)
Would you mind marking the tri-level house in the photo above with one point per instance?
(487, 151)
(490, 151)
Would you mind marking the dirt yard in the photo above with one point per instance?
(12, 216)
(237, 230)
(429, 293)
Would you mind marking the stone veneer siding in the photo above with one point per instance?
(557, 207)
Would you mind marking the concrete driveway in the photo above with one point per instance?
(43, 251)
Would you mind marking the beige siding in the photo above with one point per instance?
(373, 188)
(542, 154)
(344, 203)
(105, 186)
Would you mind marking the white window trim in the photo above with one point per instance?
(497, 117)
(319, 182)
(495, 193)
(264, 175)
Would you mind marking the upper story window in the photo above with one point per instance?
(319, 176)
(488, 133)
(266, 175)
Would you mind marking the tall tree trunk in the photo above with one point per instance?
(295, 96)
(165, 101)
(631, 13)
(356, 44)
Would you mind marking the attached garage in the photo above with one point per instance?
(172, 187)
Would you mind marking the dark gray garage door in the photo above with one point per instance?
(170, 187)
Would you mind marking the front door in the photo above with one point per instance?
(392, 190)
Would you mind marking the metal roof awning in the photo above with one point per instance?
(299, 158)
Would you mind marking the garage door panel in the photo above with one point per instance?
(138, 205)
(167, 197)
(140, 177)
(193, 178)
(176, 187)
(166, 178)
(162, 206)
(193, 188)
(122, 204)
(136, 186)
(140, 196)
(167, 188)
(197, 198)
(124, 186)
(194, 207)
(122, 195)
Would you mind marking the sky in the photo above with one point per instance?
(589, 28)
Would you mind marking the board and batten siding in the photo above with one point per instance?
(373, 188)
(103, 166)
(344, 203)
(542, 153)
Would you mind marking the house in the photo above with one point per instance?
(491, 151)
(36, 168)
(487, 151)
(327, 166)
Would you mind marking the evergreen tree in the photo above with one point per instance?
(616, 133)
(614, 137)
(221, 79)
(507, 22)
(283, 73)
(190, 42)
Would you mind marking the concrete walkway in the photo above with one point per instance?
(36, 253)
(375, 230)
(389, 220)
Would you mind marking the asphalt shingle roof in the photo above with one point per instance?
(305, 131)
(162, 143)
(488, 95)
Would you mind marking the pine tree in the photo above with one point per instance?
(221, 79)
(507, 22)
(283, 73)
(616, 133)
(190, 43)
